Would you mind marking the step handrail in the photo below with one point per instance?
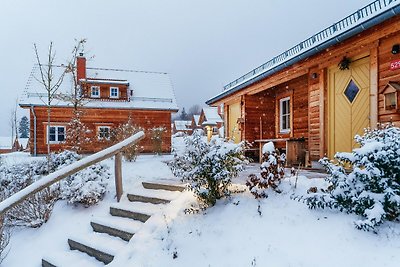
(75, 167)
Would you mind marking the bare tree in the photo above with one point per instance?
(13, 123)
(194, 110)
(50, 82)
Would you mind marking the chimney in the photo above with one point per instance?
(80, 67)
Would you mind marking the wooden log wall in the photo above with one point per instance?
(94, 117)
(386, 75)
(259, 108)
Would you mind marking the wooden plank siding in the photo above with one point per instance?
(94, 117)
(105, 91)
(307, 84)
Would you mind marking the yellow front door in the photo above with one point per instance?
(349, 105)
(233, 127)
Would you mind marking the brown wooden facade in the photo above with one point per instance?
(93, 118)
(312, 89)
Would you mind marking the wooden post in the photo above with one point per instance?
(118, 175)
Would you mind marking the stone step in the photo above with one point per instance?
(146, 199)
(101, 246)
(118, 226)
(158, 186)
(114, 211)
(70, 258)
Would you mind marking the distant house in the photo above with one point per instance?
(195, 122)
(111, 97)
(182, 126)
(8, 146)
(211, 120)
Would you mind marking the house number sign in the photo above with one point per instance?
(395, 65)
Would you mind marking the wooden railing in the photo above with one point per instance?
(75, 167)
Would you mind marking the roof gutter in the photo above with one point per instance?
(392, 12)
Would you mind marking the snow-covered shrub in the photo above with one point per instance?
(124, 131)
(272, 172)
(367, 181)
(86, 187)
(34, 211)
(156, 138)
(208, 167)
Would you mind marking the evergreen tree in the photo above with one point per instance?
(184, 116)
(23, 128)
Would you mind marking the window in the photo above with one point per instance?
(390, 101)
(56, 134)
(95, 92)
(104, 132)
(114, 92)
(284, 115)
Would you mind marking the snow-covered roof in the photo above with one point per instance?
(196, 119)
(211, 116)
(151, 90)
(364, 18)
(182, 125)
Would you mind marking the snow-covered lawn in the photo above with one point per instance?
(232, 233)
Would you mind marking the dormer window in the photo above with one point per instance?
(95, 92)
(114, 92)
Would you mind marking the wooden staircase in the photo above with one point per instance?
(112, 232)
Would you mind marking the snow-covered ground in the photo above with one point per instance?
(232, 233)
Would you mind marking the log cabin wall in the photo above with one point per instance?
(385, 57)
(94, 117)
(259, 108)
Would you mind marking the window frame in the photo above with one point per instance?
(281, 115)
(395, 101)
(111, 89)
(56, 134)
(99, 137)
(92, 88)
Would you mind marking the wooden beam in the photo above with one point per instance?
(118, 175)
(374, 72)
(322, 127)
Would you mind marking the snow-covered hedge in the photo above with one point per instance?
(367, 181)
(272, 172)
(208, 167)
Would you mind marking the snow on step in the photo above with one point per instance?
(163, 186)
(161, 194)
(139, 207)
(120, 223)
(71, 258)
(101, 242)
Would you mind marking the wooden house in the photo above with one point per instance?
(194, 124)
(211, 121)
(323, 91)
(182, 126)
(110, 97)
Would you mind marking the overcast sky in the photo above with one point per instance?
(202, 44)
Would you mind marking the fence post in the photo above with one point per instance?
(118, 175)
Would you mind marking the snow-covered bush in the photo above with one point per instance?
(156, 138)
(34, 211)
(86, 187)
(124, 131)
(208, 167)
(367, 181)
(272, 172)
